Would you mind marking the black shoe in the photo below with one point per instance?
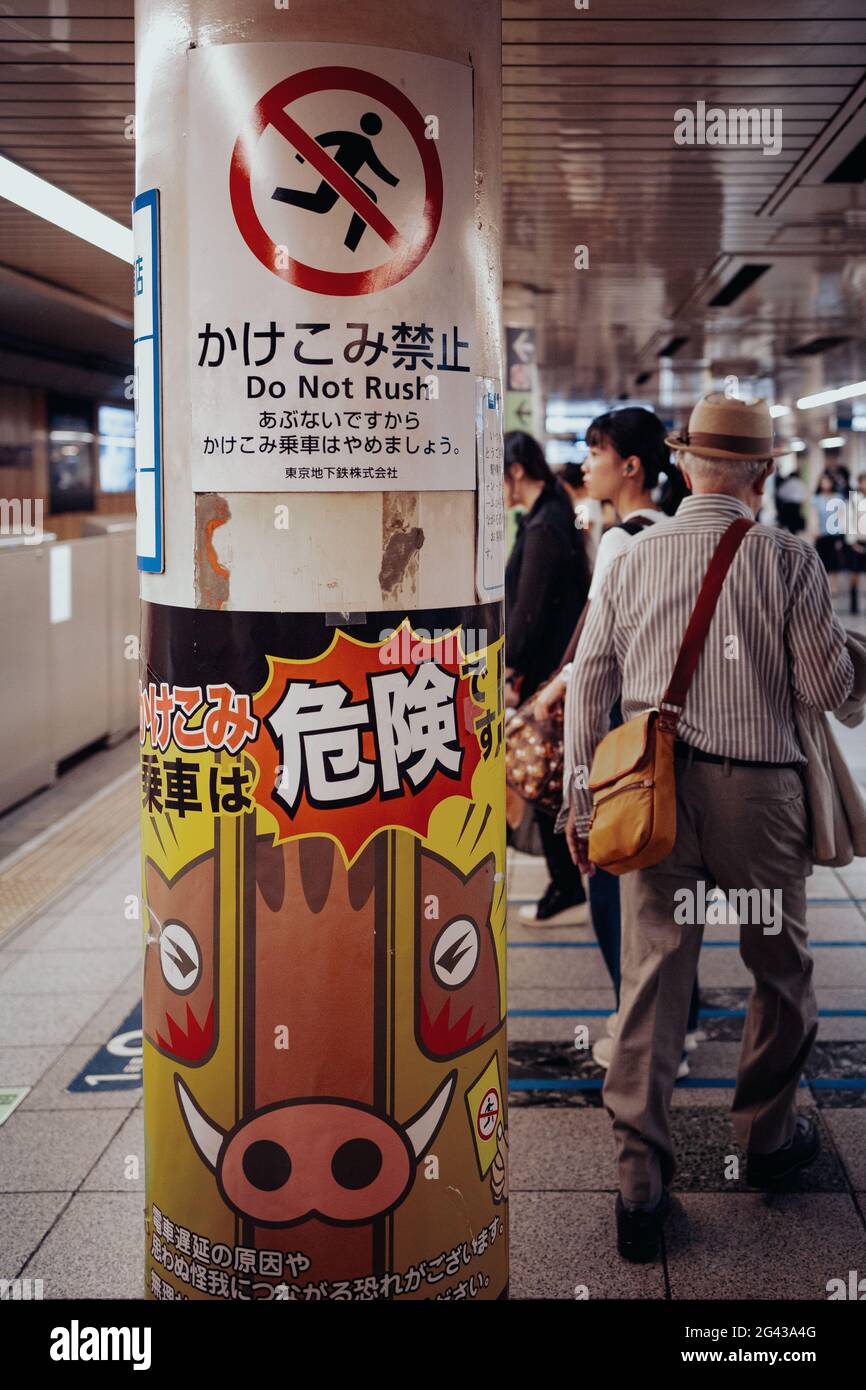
(765, 1170)
(541, 906)
(554, 901)
(638, 1233)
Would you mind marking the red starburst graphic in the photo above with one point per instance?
(367, 735)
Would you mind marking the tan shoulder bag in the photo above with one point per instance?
(634, 806)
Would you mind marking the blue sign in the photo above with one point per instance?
(117, 1064)
(147, 383)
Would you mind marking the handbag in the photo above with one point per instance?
(634, 808)
(534, 757)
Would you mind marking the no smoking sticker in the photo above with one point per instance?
(332, 336)
(488, 1115)
(485, 1113)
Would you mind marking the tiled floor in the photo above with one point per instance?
(86, 777)
(70, 1203)
(71, 1163)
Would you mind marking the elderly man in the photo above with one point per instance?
(742, 819)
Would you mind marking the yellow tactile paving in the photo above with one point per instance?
(35, 876)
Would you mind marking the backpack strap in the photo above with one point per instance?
(699, 623)
(634, 528)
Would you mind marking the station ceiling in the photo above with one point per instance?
(588, 123)
(589, 96)
(66, 91)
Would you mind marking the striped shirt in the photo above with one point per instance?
(773, 639)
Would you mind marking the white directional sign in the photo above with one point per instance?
(524, 346)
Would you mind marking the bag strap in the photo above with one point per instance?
(699, 623)
(633, 528)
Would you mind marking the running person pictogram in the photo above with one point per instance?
(351, 153)
(354, 152)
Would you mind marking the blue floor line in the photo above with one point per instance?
(838, 902)
(810, 902)
(844, 1083)
(705, 1013)
(593, 945)
(695, 1083)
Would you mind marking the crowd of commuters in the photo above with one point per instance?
(598, 631)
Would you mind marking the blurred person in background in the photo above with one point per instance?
(546, 584)
(855, 541)
(841, 475)
(830, 539)
(790, 494)
(671, 489)
(587, 511)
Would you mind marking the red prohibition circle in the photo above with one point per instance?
(270, 111)
(485, 1115)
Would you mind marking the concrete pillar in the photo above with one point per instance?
(322, 770)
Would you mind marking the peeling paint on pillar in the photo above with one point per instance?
(402, 540)
(211, 575)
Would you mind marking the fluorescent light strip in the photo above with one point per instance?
(833, 441)
(841, 393)
(776, 411)
(42, 198)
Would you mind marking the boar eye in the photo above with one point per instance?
(455, 952)
(267, 1165)
(356, 1163)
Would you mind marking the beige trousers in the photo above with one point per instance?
(741, 829)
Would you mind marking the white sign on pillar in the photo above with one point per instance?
(490, 540)
(332, 294)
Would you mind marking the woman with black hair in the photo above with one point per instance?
(546, 583)
(627, 455)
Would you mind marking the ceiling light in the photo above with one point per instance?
(42, 198)
(672, 346)
(737, 285)
(833, 441)
(797, 446)
(852, 168)
(777, 410)
(816, 346)
(841, 393)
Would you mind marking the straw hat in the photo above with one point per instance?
(723, 427)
